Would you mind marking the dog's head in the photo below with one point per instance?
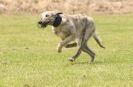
(50, 18)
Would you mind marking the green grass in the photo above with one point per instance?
(28, 56)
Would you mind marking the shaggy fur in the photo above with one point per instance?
(78, 28)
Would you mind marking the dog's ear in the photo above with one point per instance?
(58, 13)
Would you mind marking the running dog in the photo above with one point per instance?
(78, 28)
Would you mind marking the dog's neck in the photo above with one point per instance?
(57, 21)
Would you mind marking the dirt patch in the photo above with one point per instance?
(67, 6)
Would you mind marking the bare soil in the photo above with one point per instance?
(67, 6)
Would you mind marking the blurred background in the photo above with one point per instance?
(66, 6)
(28, 55)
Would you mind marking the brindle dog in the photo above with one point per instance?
(77, 28)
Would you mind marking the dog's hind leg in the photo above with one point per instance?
(78, 52)
(87, 50)
(75, 56)
(84, 37)
(81, 42)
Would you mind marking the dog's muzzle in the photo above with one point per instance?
(42, 24)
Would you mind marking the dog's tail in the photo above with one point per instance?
(95, 36)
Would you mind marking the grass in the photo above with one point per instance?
(28, 56)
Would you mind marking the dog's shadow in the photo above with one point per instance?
(97, 62)
(83, 63)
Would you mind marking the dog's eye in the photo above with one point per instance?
(46, 15)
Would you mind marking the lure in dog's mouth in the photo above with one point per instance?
(42, 24)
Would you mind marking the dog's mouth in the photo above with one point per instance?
(42, 24)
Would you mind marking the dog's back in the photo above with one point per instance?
(79, 21)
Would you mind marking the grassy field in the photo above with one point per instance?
(28, 56)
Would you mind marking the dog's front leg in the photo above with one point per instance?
(65, 42)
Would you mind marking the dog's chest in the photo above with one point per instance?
(59, 32)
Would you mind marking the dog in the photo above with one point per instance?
(78, 28)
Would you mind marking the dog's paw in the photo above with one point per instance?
(71, 59)
(92, 58)
(59, 50)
